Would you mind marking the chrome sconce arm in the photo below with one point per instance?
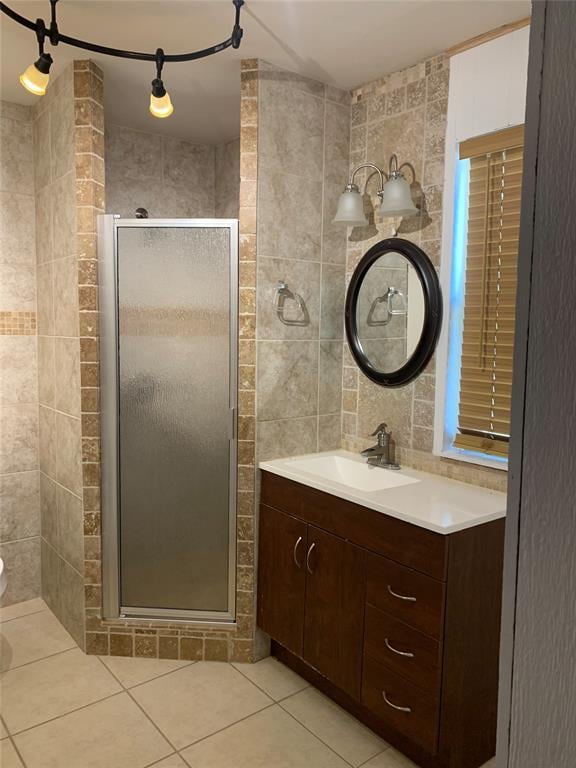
(394, 193)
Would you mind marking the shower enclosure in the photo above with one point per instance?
(168, 309)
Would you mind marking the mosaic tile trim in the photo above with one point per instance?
(17, 323)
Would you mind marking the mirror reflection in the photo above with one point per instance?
(390, 312)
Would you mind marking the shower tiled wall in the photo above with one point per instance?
(303, 141)
(227, 179)
(68, 148)
(402, 113)
(19, 474)
(170, 177)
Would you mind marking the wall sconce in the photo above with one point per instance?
(394, 194)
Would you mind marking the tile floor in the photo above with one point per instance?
(62, 709)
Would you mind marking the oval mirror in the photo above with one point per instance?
(393, 312)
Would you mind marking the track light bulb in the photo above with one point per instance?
(160, 104)
(35, 78)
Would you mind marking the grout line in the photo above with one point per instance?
(157, 762)
(315, 735)
(22, 616)
(67, 714)
(127, 691)
(35, 661)
(24, 538)
(388, 748)
(231, 725)
(276, 701)
(14, 746)
(138, 685)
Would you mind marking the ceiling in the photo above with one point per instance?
(341, 42)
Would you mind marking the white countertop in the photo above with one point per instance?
(435, 502)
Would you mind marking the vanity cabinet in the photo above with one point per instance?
(311, 596)
(397, 623)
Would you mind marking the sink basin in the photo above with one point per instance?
(354, 474)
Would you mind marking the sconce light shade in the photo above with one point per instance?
(35, 78)
(396, 197)
(351, 208)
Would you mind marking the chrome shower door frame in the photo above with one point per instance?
(108, 228)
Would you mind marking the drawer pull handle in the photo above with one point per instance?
(310, 548)
(395, 650)
(400, 597)
(295, 553)
(395, 706)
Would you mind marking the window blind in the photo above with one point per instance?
(490, 293)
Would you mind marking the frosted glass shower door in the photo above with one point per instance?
(176, 363)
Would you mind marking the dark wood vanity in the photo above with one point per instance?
(398, 624)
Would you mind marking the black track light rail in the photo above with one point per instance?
(52, 34)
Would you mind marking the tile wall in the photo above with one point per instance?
(227, 179)
(169, 177)
(402, 113)
(68, 149)
(19, 473)
(303, 140)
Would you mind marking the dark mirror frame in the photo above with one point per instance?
(432, 312)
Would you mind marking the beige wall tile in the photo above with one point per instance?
(70, 528)
(65, 298)
(330, 377)
(18, 364)
(68, 453)
(17, 232)
(22, 564)
(67, 375)
(50, 578)
(19, 445)
(287, 379)
(289, 437)
(46, 370)
(20, 504)
(47, 441)
(49, 510)
(286, 203)
(329, 432)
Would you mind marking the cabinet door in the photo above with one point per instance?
(282, 577)
(334, 617)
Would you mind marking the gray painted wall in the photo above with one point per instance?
(538, 697)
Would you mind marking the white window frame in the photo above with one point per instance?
(487, 93)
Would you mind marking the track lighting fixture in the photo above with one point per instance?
(160, 104)
(35, 78)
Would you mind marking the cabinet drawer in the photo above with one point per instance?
(406, 595)
(400, 704)
(404, 650)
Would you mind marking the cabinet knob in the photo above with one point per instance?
(395, 706)
(295, 552)
(310, 549)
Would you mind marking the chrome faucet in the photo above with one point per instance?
(379, 454)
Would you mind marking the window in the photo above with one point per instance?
(493, 167)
